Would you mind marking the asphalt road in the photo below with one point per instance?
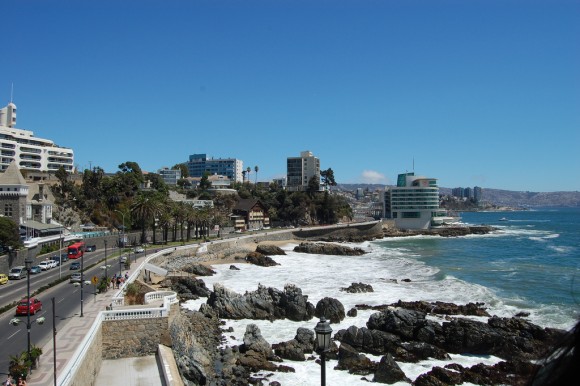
(13, 339)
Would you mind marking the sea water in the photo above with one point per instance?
(531, 264)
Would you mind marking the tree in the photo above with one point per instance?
(9, 233)
(144, 209)
(256, 168)
(244, 176)
(248, 171)
(313, 185)
(184, 169)
(328, 177)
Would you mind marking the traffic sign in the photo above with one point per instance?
(95, 280)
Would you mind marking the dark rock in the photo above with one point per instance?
(199, 270)
(442, 308)
(356, 363)
(421, 351)
(328, 249)
(374, 342)
(253, 341)
(234, 268)
(189, 287)
(269, 250)
(264, 303)
(358, 287)
(352, 312)
(406, 280)
(297, 348)
(259, 259)
(332, 309)
(402, 323)
(388, 371)
(522, 314)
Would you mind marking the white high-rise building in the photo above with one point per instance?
(414, 202)
(299, 171)
(27, 151)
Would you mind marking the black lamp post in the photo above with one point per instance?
(28, 264)
(323, 332)
(106, 275)
(82, 280)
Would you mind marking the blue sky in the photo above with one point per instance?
(482, 93)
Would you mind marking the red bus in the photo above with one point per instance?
(76, 250)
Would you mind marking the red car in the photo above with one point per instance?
(22, 307)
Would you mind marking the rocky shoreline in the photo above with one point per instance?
(399, 332)
(443, 232)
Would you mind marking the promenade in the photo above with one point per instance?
(129, 371)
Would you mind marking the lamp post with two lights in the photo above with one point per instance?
(323, 332)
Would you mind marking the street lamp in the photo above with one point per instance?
(323, 332)
(28, 264)
(106, 275)
(122, 240)
(82, 280)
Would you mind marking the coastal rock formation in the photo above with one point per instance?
(509, 338)
(269, 250)
(188, 287)
(195, 336)
(328, 249)
(388, 371)
(295, 349)
(332, 309)
(442, 308)
(199, 270)
(257, 258)
(353, 361)
(443, 232)
(264, 303)
(357, 288)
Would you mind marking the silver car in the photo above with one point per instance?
(17, 273)
(76, 277)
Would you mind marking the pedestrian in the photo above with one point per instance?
(21, 381)
(118, 281)
(126, 275)
(9, 381)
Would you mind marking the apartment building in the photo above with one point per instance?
(299, 171)
(29, 152)
(199, 164)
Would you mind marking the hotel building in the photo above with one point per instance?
(299, 170)
(230, 167)
(30, 153)
(413, 203)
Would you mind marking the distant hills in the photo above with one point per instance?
(500, 197)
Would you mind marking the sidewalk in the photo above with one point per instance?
(70, 336)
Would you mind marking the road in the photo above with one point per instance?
(13, 339)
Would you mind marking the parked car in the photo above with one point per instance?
(76, 277)
(63, 258)
(17, 273)
(34, 304)
(139, 250)
(90, 248)
(3, 278)
(123, 259)
(36, 269)
(75, 265)
(46, 265)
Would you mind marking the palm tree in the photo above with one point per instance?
(256, 168)
(145, 208)
(248, 171)
(243, 176)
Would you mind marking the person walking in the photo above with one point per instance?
(9, 381)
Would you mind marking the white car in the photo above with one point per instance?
(139, 250)
(45, 265)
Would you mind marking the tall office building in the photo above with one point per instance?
(299, 171)
(232, 168)
(30, 153)
(170, 176)
(413, 203)
(477, 193)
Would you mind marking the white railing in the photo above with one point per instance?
(169, 297)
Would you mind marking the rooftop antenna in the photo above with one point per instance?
(12, 92)
(413, 164)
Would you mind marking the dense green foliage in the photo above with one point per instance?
(141, 202)
(9, 234)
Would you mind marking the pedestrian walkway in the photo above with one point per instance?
(128, 371)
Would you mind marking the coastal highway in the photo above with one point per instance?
(13, 339)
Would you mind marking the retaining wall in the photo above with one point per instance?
(133, 337)
(91, 365)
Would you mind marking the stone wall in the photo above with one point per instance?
(91, 365)
(133, 337)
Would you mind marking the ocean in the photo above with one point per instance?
(531, 264)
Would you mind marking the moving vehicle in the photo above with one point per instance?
(34, 304)
(91, 248)
(45, 265)
(75, 265)
(34, 270)
(76, 277)
(76, 250)
(63, 258)
(139, 250)
(17, 273)
(3, 278)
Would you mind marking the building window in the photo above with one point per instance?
(8, 210)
